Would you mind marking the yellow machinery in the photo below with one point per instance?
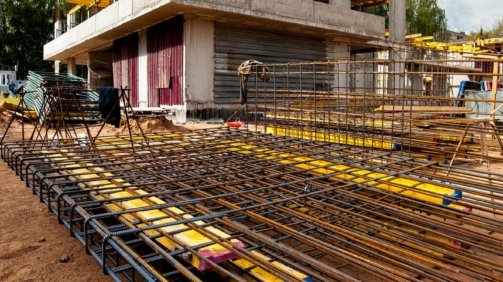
(87, 3)
(476, 46)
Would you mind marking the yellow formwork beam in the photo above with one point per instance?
(427, 42)
(90, 3)
(460, 47)
(263, 275)
(339, 138)
(190, 237)
(397, 184)
(369, 122)
(491, 41)
(332, 138)
(456, 139)
(75, 9)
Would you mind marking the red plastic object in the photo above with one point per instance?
(235, 124)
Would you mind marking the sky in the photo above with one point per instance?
(471, 15)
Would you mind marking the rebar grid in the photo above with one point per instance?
(273, 204)
(411, 107)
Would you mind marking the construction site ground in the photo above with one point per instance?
(34, 247)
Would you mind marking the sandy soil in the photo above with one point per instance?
(32, 241)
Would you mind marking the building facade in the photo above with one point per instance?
(6, 77)
(183, 54)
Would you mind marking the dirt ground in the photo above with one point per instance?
(32, 242)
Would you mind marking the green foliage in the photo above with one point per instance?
(426, 17)
(25, 26)
(497, 31)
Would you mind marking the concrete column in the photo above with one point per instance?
(89, 73)
(495, 87)
(142, 69)
(341, 50)
(396, 77)
(397, 20)
(342, 53)
(71, 66)
(57, 65)
(199, 65)
(415, 81)
(58, 28)
(397, 31)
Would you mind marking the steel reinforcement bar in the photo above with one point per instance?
(229, 204)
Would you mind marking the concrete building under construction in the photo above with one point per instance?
(183, 55)
(346, 164)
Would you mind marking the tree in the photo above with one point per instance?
(426, 17)
(497, 31)
(25, 26)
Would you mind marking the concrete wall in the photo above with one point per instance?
(199, 51)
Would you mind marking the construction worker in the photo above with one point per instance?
(11, 87)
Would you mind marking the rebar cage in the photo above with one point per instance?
(403, 106)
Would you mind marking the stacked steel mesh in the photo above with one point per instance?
(57, 97)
